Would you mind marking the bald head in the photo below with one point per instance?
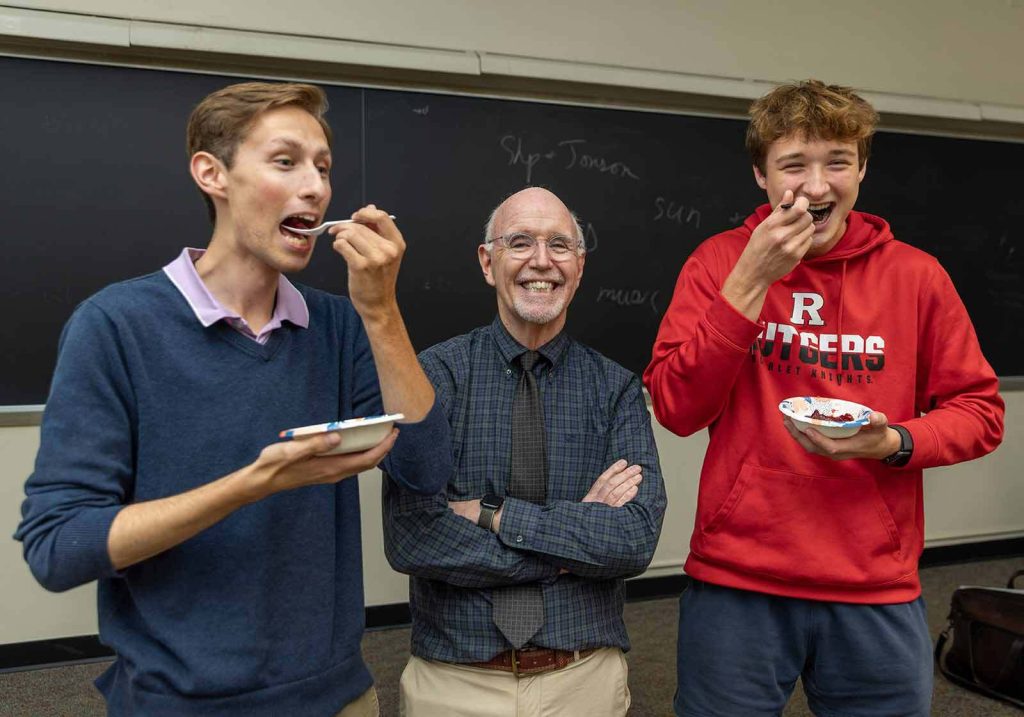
(530, 203)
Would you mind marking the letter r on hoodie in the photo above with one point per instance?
(807, 304)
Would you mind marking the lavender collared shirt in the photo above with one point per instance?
(289, 306)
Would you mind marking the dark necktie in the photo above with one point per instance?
(519, 609)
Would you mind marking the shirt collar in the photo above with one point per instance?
(290, 305)
(510, 349)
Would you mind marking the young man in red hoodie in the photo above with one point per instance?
(804, 554)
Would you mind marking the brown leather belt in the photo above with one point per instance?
(533, 660)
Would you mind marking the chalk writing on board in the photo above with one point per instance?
(676, 212)
(514, 146)
(590, 238)
(423, 111)
(571, 154)
(737, 218)
(579, 158)
(630, 297)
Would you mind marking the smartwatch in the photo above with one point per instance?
(489, 505)
(902, 455)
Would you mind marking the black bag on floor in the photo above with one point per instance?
(987, 651)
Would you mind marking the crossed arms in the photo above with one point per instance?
(610, 531)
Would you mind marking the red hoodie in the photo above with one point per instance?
(771, 517)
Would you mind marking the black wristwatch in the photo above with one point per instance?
(902, 456)
(489, 505)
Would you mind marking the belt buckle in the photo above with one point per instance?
(515, 662)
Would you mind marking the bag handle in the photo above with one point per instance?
(974, 684)
(1012, 658)
(1013, 579)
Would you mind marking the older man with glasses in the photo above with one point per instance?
(518, 568)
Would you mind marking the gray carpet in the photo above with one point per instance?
(68, 691)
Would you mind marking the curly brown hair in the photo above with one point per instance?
(221, 121)
(814, 110)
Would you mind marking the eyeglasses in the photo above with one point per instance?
(522, 245)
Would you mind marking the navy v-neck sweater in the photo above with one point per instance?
(262, 613)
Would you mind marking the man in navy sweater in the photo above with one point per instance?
(229, 564)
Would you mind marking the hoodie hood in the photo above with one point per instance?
(864, 233)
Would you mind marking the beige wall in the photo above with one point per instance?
(936, 48)
(974, 501)
(933, 58)
(935, 54)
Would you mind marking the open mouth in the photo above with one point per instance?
(821, 212)
(539, 286)
(297, 221)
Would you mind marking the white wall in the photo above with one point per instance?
(974, 501)
(947, 50)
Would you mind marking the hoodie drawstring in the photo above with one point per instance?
(839, 338)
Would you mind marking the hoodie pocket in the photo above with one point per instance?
(805, 528)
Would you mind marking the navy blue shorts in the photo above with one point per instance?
(740, 654)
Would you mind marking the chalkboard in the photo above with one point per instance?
(96, 189)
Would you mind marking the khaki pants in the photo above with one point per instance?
(365, 705)
(593, 687)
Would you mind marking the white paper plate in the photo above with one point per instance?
(357, 434)
(800, 408)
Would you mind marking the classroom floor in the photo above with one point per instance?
(68, 691)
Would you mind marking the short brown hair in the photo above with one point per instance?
(814, 110)
(221, 121)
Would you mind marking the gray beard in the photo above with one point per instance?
(538, 315)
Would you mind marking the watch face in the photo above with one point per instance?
(492, 501)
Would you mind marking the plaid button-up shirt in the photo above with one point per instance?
(594, 414)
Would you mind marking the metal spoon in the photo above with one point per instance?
(317, 231)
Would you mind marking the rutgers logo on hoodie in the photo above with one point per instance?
(804, 340)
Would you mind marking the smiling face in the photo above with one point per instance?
(279, 177)
(824, 171)
(533, 292)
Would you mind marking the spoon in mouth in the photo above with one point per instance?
(317, 231)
